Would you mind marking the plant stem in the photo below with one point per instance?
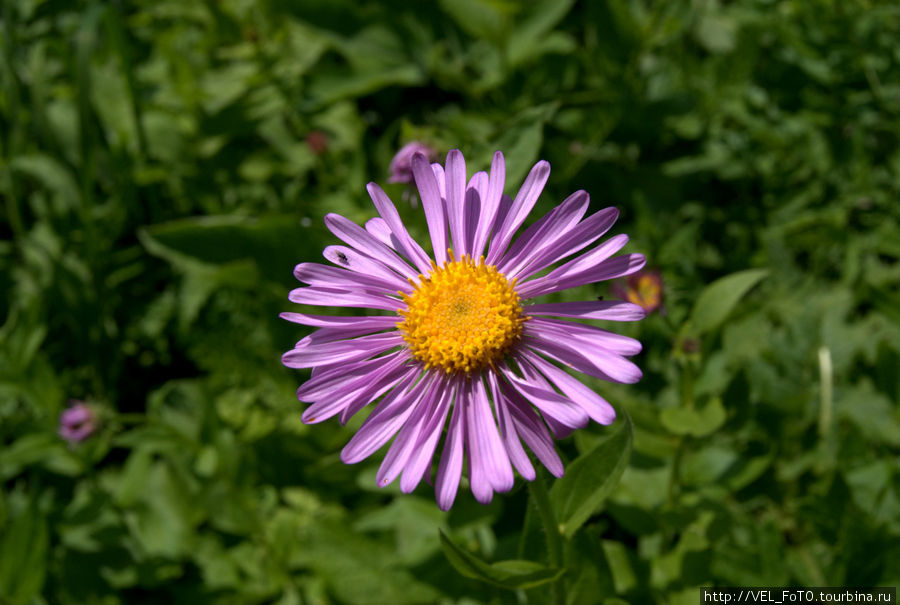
(541, 497)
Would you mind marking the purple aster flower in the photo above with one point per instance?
(77, 422)
(401, 164)
(461, 347)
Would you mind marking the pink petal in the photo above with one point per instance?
(434, 208)
(485, 442)
(456, 193)
(450, 468)
(490, 203)
(357, 237)
(533, 240)
(521, 206)
(383, 422)
(405, 243)
(596, 406)
(612, 310)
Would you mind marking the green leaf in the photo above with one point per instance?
(23, 557)
(696, 422)
(521, 140)
(514, 574)
(530, 35)
(591, 478)
(274, 242)
(478, 18)
(720, 297)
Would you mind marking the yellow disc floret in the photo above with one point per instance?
(462, 317)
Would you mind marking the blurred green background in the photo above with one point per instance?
(164, 164)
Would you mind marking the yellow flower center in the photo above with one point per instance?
(463, 317)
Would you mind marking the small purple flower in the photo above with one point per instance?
(77, 422)
(401, 164)
(461, 339)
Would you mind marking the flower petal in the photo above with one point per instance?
(455, 179)
(612, 310)
(450, 468)
(611, 268)
(383, 423)
(533, 240)
(594, 362)
(357, 237)
(350, 259)
(596, 406)
(532, 431)
(490, 204)
(328, 381)
(487, 457)
(420, 460)
(521, 206)
(590, 335)
(434, 208)
(310, 355)
(476, 191)
(369, 391)
(569, 242)
(333, 297)
(380, 322)
(514, 449)
(316, 274)
(550, 403)
(402, 447)
(404, 242)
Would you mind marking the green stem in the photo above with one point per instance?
(541, 497)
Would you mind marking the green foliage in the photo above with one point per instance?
(590, 479)
(164, 165)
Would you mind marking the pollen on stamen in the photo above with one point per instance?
(462, 317)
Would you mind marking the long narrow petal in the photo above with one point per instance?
(342, 351)
(381, 322)
(357, 237)
(550, 403)
(485, 446)
(350, 259)
(333, 297)
(583, 263)
(532, 431)
(590, 336)
(405, 243)
(420, 460)
(611, 268)
(567, 243)
(534, 239)
(441, 180)
(474, 210)
(599, 363)
(379, 229)
(450, 468)
(521, 206)
(455, 178)
(611, 310)
(490, 203)
(377, 386)
(508, 434)
(433, 206)
(329, 381)
(402, 447)
(316, 274)
(382, 424)
(596, 406)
